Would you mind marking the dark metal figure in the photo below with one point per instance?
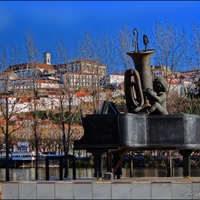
(157, 97)
(145, 41)
(135, 33)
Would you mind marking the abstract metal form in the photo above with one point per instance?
(135, 33)
(145, 41)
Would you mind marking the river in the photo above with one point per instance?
(27, 174)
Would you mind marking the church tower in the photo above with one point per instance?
(47, 58)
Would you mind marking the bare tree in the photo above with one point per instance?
(32, 55)
(171, 46)
(15, 55)
(125, 44)
(65, 110)
(98, 51)
(31, 47)
(64, 96)
(195, 44)
(9, 98)
(189, 102)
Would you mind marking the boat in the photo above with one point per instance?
(22, 155)
(16, 158)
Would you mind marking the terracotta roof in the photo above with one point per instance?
(30, 65)
(42, 81)
(5, 73)
(2, 121)
(174, 81)
(25, 99)
(82, 94)
(46, 66)
(28, 116)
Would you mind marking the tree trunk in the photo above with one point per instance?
(36, 160)
(7, 143)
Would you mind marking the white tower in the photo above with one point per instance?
(47, 58)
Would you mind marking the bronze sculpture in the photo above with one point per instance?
(146, 125)
(145, 41)
(157, 97)
(143, 95)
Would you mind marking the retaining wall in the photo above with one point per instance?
(148, 188)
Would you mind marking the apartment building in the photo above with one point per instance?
(114, 79)
(81, 73)
(160, 70)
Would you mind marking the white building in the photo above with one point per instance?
(81, 73)
(160, 70)
(114, 79)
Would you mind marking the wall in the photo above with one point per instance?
(133, 188)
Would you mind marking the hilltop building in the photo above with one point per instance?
(81, 73)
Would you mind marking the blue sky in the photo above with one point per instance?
(67, 20)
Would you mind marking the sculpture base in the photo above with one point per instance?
(140, 132)
(125, 132)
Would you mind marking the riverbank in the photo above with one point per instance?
(87, 162)
(149, 161)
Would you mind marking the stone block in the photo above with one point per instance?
(27, 190)
(45, 190)
(83, 190)
(121, 190)
(10, 190)
(181, 190)
(196, 190)
(64, 190)
(141, 190)
(161, 191)
(101, 190)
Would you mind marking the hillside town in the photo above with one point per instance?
(79, 86)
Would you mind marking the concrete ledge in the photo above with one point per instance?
(131, 188)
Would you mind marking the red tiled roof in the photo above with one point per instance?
(28, 116)
(30, 65)
(2, 121)
(42, 81)
(25, 99)
(174, 81)
(82, 94)
(43, 65)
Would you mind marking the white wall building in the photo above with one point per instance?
(114, 79)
